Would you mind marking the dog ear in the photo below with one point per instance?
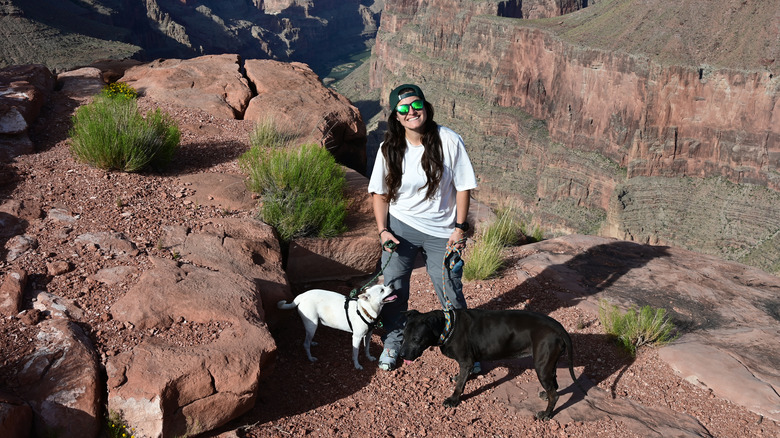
(412, 312)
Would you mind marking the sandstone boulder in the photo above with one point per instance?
(18, 245)
(61, 382)
(164, 389)
(81, 83)
(24, 89)
(213, 83)
(572, 406)
(292, 95)
(114, 275)
(110, 243)
(245, 247)
(11, 290)
(724, 310)
(57, 307)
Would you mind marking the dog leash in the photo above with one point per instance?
(456, 262)
(389, 244)
(449, 314)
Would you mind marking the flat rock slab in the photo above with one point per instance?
(723, 309)
(597, 404)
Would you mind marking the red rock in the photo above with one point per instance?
(291, 95)
(61, 381)
(213, 83)
(351, 254)
(12, 286)
(165, 390)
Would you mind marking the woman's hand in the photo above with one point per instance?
(386, 236)
(457, 239)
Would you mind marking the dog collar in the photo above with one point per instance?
(449, 319)
(360, 312)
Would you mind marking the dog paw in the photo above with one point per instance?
(543, 395)
(543, 415)
(451, 402)
(358, 366)
(312, 359)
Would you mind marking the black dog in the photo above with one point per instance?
(473, 335)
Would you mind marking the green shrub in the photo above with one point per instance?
(302, 190)
(485, 258)
(111, 134)
(537, 235)
(116, 427)
(636, 327)
(504, 230)
(267, 134)
(120, 90)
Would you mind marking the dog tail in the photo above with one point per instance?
(284, 305)
(570, 356)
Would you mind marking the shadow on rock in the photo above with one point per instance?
(580, 275)
(296, 385)
(198, 157)
(588, 348)
(368, 108)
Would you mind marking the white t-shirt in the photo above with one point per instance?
(435, 216)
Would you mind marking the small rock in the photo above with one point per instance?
(58, 267)
(31, 316)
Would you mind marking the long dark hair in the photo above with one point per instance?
(395, 145)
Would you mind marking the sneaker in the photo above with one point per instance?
(477, 368)
(387, 359)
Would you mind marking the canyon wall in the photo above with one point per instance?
(595, 140)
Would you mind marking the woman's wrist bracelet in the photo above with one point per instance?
(383, 230)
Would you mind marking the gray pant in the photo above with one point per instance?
(399, 271)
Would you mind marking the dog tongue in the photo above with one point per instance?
(390, 299)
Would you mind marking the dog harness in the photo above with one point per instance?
(449, 319)
(359, 310)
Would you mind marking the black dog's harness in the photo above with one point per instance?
(359, 310)
(449, 320)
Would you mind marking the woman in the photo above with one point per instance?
(420, 188)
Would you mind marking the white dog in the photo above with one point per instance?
(357, 315)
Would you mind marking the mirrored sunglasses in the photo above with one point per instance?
(403, 109)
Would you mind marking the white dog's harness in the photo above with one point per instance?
(360, 312)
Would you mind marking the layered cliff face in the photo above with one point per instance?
(666, 144)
